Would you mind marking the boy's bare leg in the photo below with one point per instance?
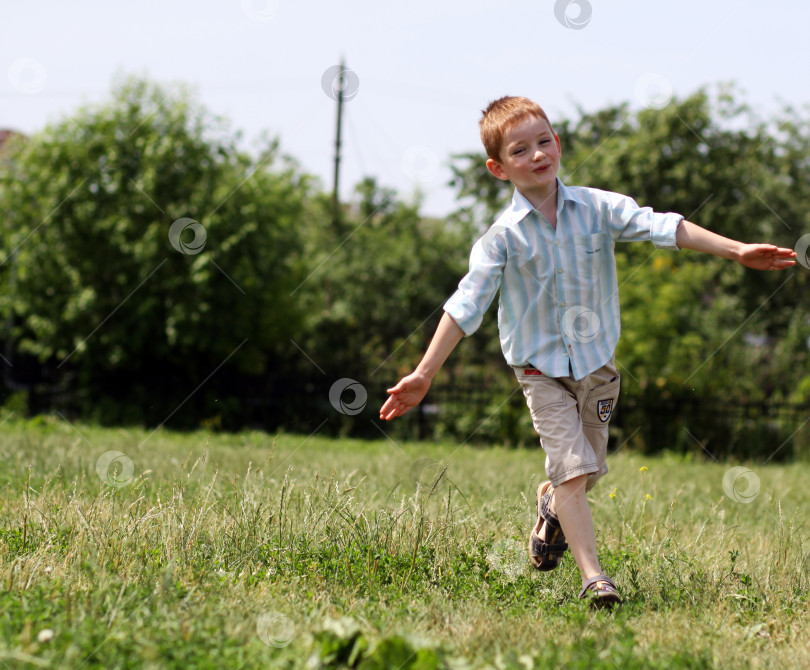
(571, 505)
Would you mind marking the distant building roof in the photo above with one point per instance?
(6, 135)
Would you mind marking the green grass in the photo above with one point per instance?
(257, 551)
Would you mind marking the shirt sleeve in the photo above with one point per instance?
(478, 287)
(630, 223)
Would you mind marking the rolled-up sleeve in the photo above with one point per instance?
(478, 287)
(630, 223)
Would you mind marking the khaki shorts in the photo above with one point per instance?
(571, 417)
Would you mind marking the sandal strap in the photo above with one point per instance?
(544, 487)
(598, 578)
(545, 511)
(541, 548)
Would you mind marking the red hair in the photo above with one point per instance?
(502, 114)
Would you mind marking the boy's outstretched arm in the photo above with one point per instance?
(756, 256)
(410, 390)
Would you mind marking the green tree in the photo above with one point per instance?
(130, 310)
(379, 282)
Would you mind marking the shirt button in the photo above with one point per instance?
(562, 304)
(559, 271)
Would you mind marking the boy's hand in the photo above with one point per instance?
(757, 256)
(766, 257)
(410, 390)
(406, 395)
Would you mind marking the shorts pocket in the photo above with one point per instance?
(601, 403)
(541, 392)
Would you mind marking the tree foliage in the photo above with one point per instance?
(93, 284)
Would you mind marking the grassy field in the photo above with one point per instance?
(125, 549)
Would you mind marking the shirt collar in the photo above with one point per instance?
(521, 206)
(568, 193)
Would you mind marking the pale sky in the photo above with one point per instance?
(424, 69)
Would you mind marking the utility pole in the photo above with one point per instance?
(341, 87)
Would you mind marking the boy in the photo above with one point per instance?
(551, 255)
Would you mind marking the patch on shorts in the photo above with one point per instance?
(531, 371)
(604, 408)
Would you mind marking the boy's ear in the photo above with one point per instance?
(496, 169)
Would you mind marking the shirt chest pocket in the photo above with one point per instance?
(589, 250)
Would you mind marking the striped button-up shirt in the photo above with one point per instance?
(559, 300)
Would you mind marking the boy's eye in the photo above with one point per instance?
(517, 151)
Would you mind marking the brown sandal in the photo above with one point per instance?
(546, 554)
(603, 591)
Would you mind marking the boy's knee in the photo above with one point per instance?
(575, 483)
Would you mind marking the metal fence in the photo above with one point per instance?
(494, 412)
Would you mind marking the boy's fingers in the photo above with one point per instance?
(395, 412)
(400, 386)
(773, 249)
(391, 409)
(392, 401)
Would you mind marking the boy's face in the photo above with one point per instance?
(530, 157)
